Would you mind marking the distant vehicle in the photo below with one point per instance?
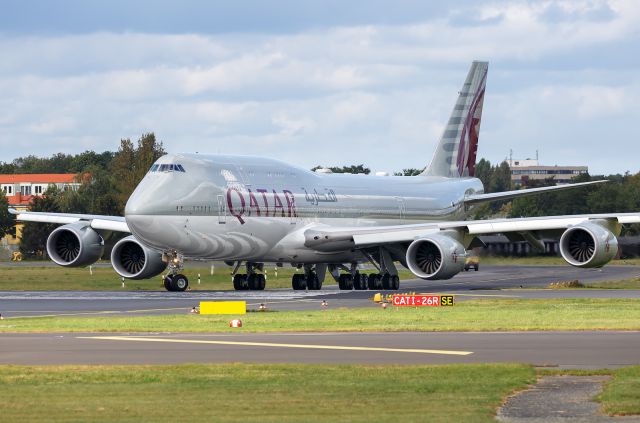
(253, 211)
(472, 262)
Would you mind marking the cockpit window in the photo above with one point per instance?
(167, 168)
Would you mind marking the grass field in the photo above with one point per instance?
(621, 395)
(633, 283)
(474, 315)
(105, 278)
(265, 393)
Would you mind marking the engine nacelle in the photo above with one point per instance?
(132, 260)
(436, 257)
(75, 245)
(588, 245)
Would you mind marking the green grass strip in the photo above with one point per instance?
(264, 393)
(474, 315)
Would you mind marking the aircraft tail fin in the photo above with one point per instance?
(455, 156)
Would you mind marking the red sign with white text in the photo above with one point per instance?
(422, 300)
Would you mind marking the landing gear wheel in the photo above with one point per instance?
(345, 282)
(371, 281)
(360, 282)
(385, 281)
(298, 282)
(313, 283)
(262, 282)
(240, 282)
(256, 282)
(179, 283)
(168, 280)
(394, 282)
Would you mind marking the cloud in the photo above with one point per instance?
(377, 93)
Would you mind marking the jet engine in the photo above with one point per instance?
(75, 245)
(132, 260)
(588, 245)
(436, 257)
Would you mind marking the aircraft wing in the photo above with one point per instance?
(99, 222)
(326, 238)
(506, 195)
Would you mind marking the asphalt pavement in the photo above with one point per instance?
(586, 349)
(489, 282)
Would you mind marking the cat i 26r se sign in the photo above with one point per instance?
(422, 300)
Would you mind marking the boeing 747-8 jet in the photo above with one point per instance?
(251, 211)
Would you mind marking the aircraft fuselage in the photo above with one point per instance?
(245, 208)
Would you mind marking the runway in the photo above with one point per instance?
(491, 282)
(563, 349)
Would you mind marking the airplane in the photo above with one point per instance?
(248, 211)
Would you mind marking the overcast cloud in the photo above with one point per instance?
(322, 82)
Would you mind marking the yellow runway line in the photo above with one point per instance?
(275, 345)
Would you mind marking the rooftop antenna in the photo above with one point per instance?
(510, 157)
(536, 155)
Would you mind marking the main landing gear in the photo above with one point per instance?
(311, 279)
(175, 281)
(387, 278)
(353, 279)
(250, 281)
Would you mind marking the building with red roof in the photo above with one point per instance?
(20, 189)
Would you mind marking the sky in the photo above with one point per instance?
(322, 82)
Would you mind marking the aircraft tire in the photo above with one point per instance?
(386, 279)
(395, 282)
(298, 282)
(167, 282)
(262, 282)
(345, 282)
(179, 283)
(313, 283)
(253, 282)
(239, 281)
(360, 282)
(371, 281)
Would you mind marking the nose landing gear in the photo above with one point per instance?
(175, 281)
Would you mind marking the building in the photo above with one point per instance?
(525, 171)
(20, 189)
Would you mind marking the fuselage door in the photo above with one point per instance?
(222, 209)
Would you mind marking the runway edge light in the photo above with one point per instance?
(223, 307)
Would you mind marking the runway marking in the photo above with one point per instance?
(276, 345)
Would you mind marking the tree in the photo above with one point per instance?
(500, 178)
(7, 220)
(346, 169)
(130, 164)
(409, 172)
(484, 172)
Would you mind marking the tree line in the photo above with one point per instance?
(107, 180)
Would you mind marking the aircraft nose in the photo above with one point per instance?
(146, 198)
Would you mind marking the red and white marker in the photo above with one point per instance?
(235, 323)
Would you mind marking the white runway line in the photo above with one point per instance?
(276, 345)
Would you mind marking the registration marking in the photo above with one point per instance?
(276, 345)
